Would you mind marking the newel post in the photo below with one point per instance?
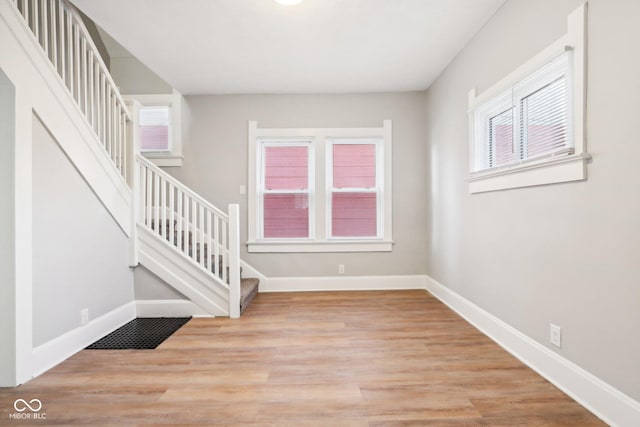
(234, 261)
(133, 178)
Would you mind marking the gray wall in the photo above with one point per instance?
(148, 286)
(80, 255)
(133, 77)
(565, 253)
(7, 233)
(215, 165)
(95, 36)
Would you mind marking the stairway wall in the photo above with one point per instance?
(80, 255)
(149, 287)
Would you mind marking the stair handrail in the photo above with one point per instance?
(190, 225)
(58, 28)
(60, 31)
(140, 158)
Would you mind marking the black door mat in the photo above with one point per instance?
(140, 334)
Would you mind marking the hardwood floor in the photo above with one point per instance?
(397, 358)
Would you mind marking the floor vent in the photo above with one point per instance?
(140, 334)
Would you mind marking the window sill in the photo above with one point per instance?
(163, 160)
(571, 167)
(290, 246)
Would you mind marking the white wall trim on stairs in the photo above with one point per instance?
(33, 75)
(51, 353)
(341, 283)
(179, 271)
(605, 401)
(169, 308)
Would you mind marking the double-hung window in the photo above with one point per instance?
(155, 128)
(528, 128)
(529, 121)
(285, 190)
(320, 190)
(159, 118)
(355, 184)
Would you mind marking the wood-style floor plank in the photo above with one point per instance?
(388, 358)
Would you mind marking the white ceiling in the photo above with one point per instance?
(318, 46)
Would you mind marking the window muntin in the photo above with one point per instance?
(354, 189)
(502, 150)
(529, 121)
(285, 184)
(155, 130)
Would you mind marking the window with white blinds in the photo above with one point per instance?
(159, 123)
(528, 127)
(530, 121)
(155, 128)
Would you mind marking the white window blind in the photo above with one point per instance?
(530, 121)
(501, 148)
(154, 128)
(544, 120)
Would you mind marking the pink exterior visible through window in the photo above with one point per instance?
(154, 128)
(286, 168)
(354, 213)
(503, 151)
(154, 138)
(286, 214)
(354, 166)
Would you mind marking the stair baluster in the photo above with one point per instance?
(192, 226)
(58, 28)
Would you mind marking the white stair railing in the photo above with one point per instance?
(59, 30)
(191, 225)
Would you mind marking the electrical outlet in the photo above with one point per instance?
(341, 268)
(243, 190)
(84, 316)
(555, 335)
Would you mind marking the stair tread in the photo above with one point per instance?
(248, 289)
(247, 285)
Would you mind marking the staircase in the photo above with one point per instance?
(193, 228)
(248, 285)
(175, 233)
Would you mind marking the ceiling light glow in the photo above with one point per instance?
(288, 2)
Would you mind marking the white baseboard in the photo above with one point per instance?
(341, 283)
(169, 308)
(606, 402)
(51, 353)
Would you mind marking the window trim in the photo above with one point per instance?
(319, 139)
(561, 166)
(172, 157)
